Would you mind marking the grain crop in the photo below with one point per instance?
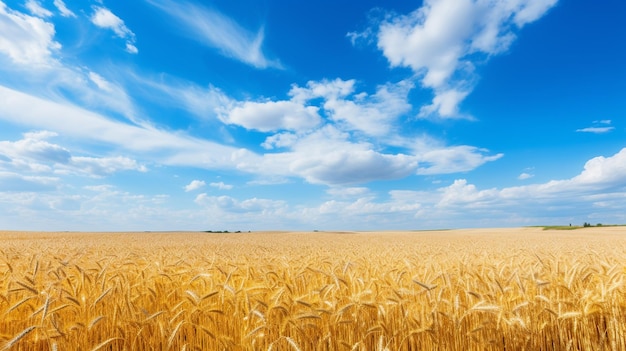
(496, 289)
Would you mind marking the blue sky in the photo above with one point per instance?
(291, 115)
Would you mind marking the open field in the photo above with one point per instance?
(488, 289)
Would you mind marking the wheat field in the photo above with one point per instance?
(496, 289)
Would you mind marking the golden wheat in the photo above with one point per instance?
(521, 289)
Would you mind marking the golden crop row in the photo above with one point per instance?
(457, 290)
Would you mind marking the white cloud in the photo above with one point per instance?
(101, 82)
(102, 166)
(600, 177)
(604, 171)
(65, 12)
(462, 193)
(323, 155)
(229, 204)
(104, 18)
(66, 210)
(25, 39)
(158, 145)
(327, 156)
(445, 104)
(437, 42)
(453, 159)
(328, 89)
(15, 182)
(221, 185)
(35, 148)
(131, 48)
(524, 176)
(36, 9)
(595, 130)
(273, 115)
(280, 140)
(597, 194)
(35, 154)
(217, 30)
(346, 192)
(338, 150)
(600, 127)
(602, 184)
(194, 185)
(108, 95)
(531, 10)
(203, 103)
(371, 114)
(53, 79)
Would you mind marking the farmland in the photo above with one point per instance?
(490, 289)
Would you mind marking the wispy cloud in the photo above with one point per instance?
(595, 130)
(216, 30)
(161, 146)
(104, 18)
(65, 12)
(453, 159)
(36, 9)
(600, 127)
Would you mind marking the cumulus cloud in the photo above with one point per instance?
(371, 114)
(216, 30)
(439, 42)
(273, 115)
(104, 18)
(600, 185)
(327, 156)
(280, 140)
(194, 185)
(26, 40)
(604, 171)
(601, 175)
(34, 147)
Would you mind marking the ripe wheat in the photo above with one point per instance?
(454, 290)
